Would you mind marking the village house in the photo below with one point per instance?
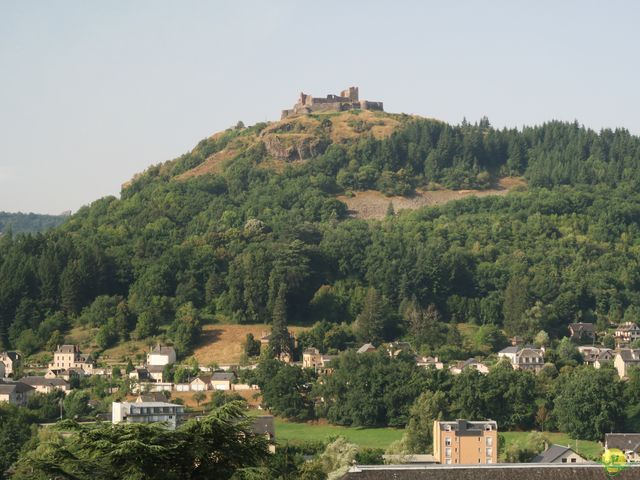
(161, 356)
(624, 360)
(46, 385)
(559, 454)
(286, 357)
(396, 348)
(15, 393)
(627, 333)
(629, 443)
(457, 368)
(366, 348)
(524, 358)
(465, 442)
(591, 355)
(10, 361)
(66, 373)
(222, 380)
(156, 372)
(147, 412)
(201, 383)
(429, 362)
(141, 374)
(582, 331)
(264, 425)
(70, 356)
(312, 358)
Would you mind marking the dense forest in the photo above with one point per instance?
(250, 241)
(28, 222)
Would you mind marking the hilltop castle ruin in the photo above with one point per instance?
(347, 100)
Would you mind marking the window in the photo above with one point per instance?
(447, 452)
(564, 460)
(447, 461)
(573, 460)
(488, 460)
(447, 441)
(489, 452)
(489, 441)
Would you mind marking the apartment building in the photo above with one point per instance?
(464, 442)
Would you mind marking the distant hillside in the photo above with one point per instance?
(29, 222)
(256, 221)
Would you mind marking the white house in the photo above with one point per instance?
(15, 393)
(10, 362)
(627, 332)
(559, 454)
(201, 383)
(161, 356)
(147, 412)
(222, 380)
(524, 358)
(624, 360)
(46, 385)
(70, 357)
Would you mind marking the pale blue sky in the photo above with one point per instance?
(93, 91)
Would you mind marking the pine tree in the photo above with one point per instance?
(371, 322)
(280, 340)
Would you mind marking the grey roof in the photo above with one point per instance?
(364, 348)
(14, 387)
(550, 454)
(38, 381)
(582, 327)
(624, 441)
(12, 355)
(66, 349)
(503, 471)
(223, 376)
(203, 378)
(629, 355)
(467, 427)
(162, 350)
(264, 424)
(513, 349)
(155, 368)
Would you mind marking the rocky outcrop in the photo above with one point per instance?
(294, 146)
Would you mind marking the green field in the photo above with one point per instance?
(364, 437)
(383, 437)
(587, 449)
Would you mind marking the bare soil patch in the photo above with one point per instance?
(371, 204)
(223, 344)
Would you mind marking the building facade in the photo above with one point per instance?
(464, 442)
(69, 356)
(10, 362)
(161, 356)
(147, 412)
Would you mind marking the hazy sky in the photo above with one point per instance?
(92, 92)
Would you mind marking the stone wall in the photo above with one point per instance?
(347, 100)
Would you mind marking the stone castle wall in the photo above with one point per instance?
(347, 100)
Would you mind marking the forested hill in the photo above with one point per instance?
(247, 225)
(28, 222)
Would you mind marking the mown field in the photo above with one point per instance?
(587, 449)
(383, 437)
(364, 437)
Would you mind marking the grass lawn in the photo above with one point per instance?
(586, 448)
(364, 437)
(383, 437)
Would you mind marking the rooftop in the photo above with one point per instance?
(503, 471)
